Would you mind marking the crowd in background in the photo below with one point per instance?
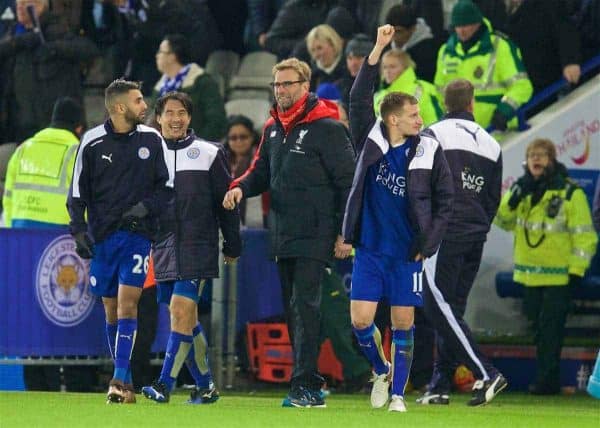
(554, 37)
(64, 45)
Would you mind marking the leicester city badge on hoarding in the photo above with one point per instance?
(61, 284)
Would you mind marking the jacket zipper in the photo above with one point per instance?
(177, 222)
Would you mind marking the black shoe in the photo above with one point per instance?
(303, 397)
(204, 396)
(433, 397)
(484, 392)
(537, 389)
(158, 392)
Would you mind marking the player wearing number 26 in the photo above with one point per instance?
(121, 181)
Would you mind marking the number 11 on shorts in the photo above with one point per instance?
(417, 282)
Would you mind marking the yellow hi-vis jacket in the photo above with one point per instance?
(569, 241)
(38, 178)
(494, 66)
(429, 99)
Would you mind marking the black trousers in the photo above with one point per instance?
(546, 309)
(450, 274)
(301, 291)
(337, 326)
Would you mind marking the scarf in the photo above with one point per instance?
(289, 117)
(174, 83)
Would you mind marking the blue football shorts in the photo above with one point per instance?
(121, 259)
(375, 276)
(191, 288)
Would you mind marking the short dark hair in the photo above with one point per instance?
(180, 47)
(182, 97)
(458, 95)
(401, 15)
(117, 88)
(394, 102)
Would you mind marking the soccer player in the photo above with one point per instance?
(122, 182)
(396, 215)
(187, 252)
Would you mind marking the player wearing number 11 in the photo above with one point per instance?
(122, 182)
(396, 215)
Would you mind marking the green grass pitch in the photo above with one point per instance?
(509, 410)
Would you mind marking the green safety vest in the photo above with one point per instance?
(38, 178)
(569, 241)
(494, 66)
(428, 96)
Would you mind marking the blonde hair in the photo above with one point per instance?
(324, 33)
(403, 57)
(543, 144)
(295, 64)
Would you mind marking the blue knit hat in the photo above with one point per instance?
(329, 91)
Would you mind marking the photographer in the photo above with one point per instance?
(554, 244)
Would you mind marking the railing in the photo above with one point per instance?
(550, 91)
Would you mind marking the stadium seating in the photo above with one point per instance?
(255, 72)
(255, 109)
(224, 64)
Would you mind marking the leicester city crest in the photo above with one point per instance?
(62, 287)
(193, 153)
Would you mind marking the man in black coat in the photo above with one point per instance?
(549, 42)
(306, 160)
(39, 65)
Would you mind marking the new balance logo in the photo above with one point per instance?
(125, 336)
(108, 157)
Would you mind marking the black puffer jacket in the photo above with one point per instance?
(188, 245)
(309, 173)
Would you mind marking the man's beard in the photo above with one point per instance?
(133, 119)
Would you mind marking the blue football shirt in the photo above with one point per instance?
(385, 227)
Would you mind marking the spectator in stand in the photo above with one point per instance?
(286, 37)
(490, 61)
(356, 51)
(154, 19)
(366, 13)
(35, 72)
(241, 141)
(173, 59)
(231, 17)
(554, 245)
(261, 14)
(432, 12)
(549, 42)
(494, 10)
(587, 21)
(325, 47)
(398, 75)
(108, 27)
(413, 36)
